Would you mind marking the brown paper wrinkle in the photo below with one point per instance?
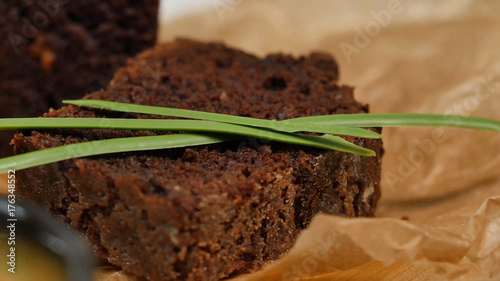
(431, 58)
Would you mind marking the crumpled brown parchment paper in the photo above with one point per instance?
(402, 56)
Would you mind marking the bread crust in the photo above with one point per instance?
(207, 212)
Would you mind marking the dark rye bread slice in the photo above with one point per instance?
(54, 49)
(208, 212)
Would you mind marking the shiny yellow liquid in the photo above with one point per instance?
(33, 261)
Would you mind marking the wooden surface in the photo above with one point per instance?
(377, 271)
(3, 183)
(373, 271)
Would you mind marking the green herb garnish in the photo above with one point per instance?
(215, 128)
(51, 155)
(283, 126)
(401, 120)
(225, 132)
(327, 124)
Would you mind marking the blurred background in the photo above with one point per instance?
(172, 10)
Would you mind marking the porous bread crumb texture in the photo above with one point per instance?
(52, 49)
(207, 212)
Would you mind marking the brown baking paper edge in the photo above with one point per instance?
(402, 56)
(423, 57)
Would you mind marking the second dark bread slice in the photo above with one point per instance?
(55, 49)
(208, 212)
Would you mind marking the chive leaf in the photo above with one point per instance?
(217, 128)
(224, 118)
(401, 120)
(55, 154)
(45, 156)
(181, 125)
